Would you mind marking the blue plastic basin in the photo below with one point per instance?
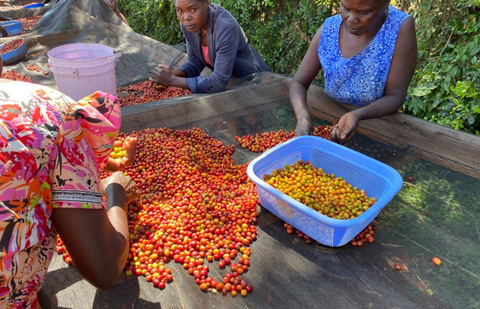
(32, 6)
(15, 54)
(13, 27)
(376, 178)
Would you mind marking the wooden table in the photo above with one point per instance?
(436, 214)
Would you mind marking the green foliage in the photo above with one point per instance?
(153, 18)
(445, 88)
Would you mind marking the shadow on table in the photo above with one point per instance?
(124, 294)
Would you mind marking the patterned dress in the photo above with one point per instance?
(51, 151)
(358, 80)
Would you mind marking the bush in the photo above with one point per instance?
(445, 88)
(153, 18)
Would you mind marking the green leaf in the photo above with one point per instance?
(421, 91)
(474, 51)
(454, 71)
(416, 105)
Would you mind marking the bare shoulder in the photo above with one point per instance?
(407, 30)
(406, 42)
(318, 35)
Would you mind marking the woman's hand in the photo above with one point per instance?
(162, 75)
(346, 128)
(303, 127)
(130, 146)
(117, 181)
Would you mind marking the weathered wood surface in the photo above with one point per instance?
(286, 272)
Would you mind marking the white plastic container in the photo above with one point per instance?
(81, 69)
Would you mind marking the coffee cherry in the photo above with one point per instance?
(264, 141)
(28, 23)
(436, 261)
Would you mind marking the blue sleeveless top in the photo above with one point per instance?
(358, 80)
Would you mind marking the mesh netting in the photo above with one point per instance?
(84, 21)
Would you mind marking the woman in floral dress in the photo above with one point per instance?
(52, 150)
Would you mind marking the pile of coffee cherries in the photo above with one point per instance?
(14, 75)
(329, 195)
(32, 67)
(264, 141)
(144, 92)
(11, 46)
(290, 230)
(118, 151)
(60, 249)
(196, 207)
(365, 236)
(28, 23)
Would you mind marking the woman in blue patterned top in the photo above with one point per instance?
(368, 54)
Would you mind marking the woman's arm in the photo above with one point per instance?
(400, 75)
(189, 74)
(98, 240)
(120, 15)
(304, 76)
(163, 76)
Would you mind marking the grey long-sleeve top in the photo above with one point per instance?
(228, 49)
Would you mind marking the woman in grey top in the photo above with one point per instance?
(214, 39)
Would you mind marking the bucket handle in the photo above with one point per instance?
(114, 56)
